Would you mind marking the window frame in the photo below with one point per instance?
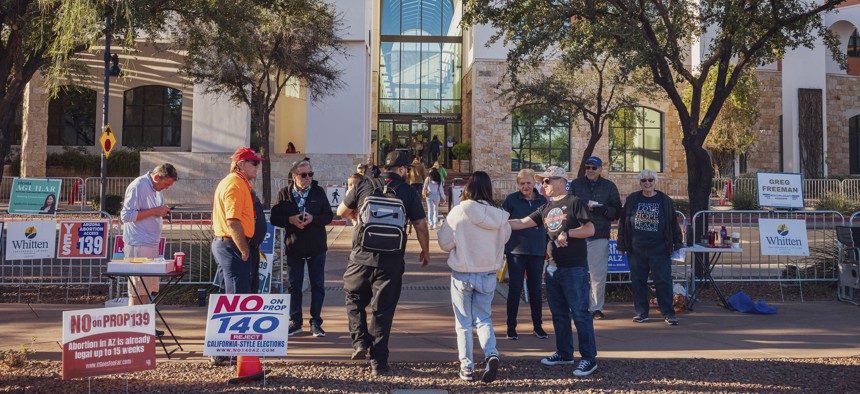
(548, 129)
(56, 132)
(638, 151)
(164, 125)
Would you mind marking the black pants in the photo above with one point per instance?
(379, 288)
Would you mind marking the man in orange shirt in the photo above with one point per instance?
(233, 222)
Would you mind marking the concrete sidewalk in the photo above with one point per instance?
(424, 325)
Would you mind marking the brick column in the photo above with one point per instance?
(34, 139)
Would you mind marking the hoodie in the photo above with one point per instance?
(475, 233)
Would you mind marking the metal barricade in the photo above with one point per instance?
(752, 266)
(851, 189)
(816, 189)
(855, 219)
(57, 271)
(113, 185)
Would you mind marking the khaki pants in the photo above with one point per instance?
(152, 284)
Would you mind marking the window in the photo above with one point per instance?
(152, 116)
(540, 138)
(636, 140)
(854, 145)
(72, 117)
(854, 45)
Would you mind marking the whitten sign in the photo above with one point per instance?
(108, 341)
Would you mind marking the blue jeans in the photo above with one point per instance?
(532, 267)
(237, 272)
(296, 275)
(660, 268)
(567, 291)
(472, 298)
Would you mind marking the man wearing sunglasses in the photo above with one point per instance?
(303, 210)
(604, 202)
(567, 223)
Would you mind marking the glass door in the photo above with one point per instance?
(437, 149)
(402, 135)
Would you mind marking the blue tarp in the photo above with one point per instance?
(743, 303)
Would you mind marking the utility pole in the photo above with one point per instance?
(105, 105)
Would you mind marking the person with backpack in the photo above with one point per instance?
(434, 192)
(475, 234)
(374, 274)
(302, 209)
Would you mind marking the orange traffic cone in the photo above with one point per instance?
(248, 368)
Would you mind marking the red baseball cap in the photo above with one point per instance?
(246, 154)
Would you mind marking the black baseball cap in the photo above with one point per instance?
(397, 159)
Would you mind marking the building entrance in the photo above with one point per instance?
(416, 138)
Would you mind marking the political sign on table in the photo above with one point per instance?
(247, 325)
(119, 247)
(783, 237)
(82, 240)
(106, 341)
(335, 195)
(31, 239)
(617, 260)
(780, 190)
(34, 196)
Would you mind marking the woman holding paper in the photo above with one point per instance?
(649, 233)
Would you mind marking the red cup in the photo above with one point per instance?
(179, 260)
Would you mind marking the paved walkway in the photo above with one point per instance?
(424, 325)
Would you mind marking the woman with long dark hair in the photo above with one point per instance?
(434, 192)
(475, 234)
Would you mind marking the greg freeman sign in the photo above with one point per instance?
(780, 190)
(247, 325)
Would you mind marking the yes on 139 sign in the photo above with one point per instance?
(247, 325)
(82, 240)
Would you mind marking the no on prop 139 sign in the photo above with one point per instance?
(247, 325)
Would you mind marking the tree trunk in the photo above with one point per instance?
(700, 175)
(8, 109)
(589, 149)
(261, 126)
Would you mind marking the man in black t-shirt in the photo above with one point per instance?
(568, 284)
(375, 279)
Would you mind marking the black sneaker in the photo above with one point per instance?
(640, 318)
(359, 353)
(294, 329)
(672, 320)
(317, 331)
(379, 369)
(555, 359)
(491, 370)
(540, 333)
(597, 315)
(585, 368)
(512, 334)
(467, 374)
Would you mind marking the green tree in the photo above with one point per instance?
(591, 89)
(732, 132)
(251, 50)
(655, 35)
(46, 36)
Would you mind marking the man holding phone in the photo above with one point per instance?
(142, 212)
(303, 210)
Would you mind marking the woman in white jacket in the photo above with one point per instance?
(475, 233)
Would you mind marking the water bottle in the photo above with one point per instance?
(724, 237)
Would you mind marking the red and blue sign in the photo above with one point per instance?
(83, 240)
(617, 260)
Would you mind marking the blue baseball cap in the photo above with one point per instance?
(594, 160)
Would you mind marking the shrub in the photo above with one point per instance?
(122, 162)
(11, 359)
(836, 202)
(113, 204)
(462, 151)
(745, 200)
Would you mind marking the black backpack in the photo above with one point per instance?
(382, 220)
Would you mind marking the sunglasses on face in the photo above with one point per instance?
(253, 162)
(591, 168)
(546, 181)
(651, 180)
(306, 174)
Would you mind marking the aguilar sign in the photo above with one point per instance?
(247, 325)
(106, 341)
(31, 196)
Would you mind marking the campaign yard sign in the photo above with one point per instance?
(119, 247)
(783, 237)
(82, 240)
(31, 239)
(33, 196)
(108, 341)
(617, 260)
(780, 190)
(247, 325)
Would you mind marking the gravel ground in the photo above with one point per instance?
(836, 375)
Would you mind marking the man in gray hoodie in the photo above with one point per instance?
(604, 203)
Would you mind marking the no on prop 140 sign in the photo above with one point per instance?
(247, 325)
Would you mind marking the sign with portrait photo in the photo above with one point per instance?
(33, 196)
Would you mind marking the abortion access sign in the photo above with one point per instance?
(108, 341)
